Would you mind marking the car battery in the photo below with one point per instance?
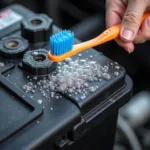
(70, 105)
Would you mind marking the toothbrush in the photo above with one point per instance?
(62, 42)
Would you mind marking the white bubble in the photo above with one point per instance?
(37, 121)
(40, 101)
(35, 53)
(79, 54)
(86, 85)
(70, 90)
(117, 67)
(92, 89)
(116, 73)
(2, 64)
(72, 77)
(35, 77)
(106, 76)
(83, 97)
(68, 60)
(33, 91)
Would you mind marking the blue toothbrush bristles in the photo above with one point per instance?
(61, 42)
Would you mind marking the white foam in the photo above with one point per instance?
(72, 77)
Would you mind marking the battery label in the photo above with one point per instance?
(9, 17)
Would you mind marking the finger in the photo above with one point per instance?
(144, 32)
(132, 18)
(128, 46)
(114, 12)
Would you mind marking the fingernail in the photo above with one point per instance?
(148, 22)
(128, 50)
(127, 34)
(143, 41)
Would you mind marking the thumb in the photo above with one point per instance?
(131, 19)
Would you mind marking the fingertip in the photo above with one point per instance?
(128, 46)
(129, 50)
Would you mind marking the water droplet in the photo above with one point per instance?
(44, 94)
(62, 88)
(52, 94)
(83, 97)
(30, 84)
(83, 61)
(35, 86)
(51, 108)
(104, 70)
(39, 83)
(76, 93)
(35, 77)
(77, 85)
(100, 80)
(96, 87)
(52, 87)
(79, 54)
(106, 67)
(2, 64)
(37, 121)
(106, 76)
(116, 73)
(117, 67)
(79, 91)
(86, 85)
(33, 91)
(35, 53)
(26, 91)
(40, 101)
(68, 60)
(59, 63)
(24, 87)
(92, 89)
(70, 90)
(99, 74)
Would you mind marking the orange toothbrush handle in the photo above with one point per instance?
(108, 35)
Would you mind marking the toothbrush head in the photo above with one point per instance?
(61, 42)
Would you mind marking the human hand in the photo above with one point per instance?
(129, 13)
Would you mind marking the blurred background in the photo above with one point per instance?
(86, 18)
